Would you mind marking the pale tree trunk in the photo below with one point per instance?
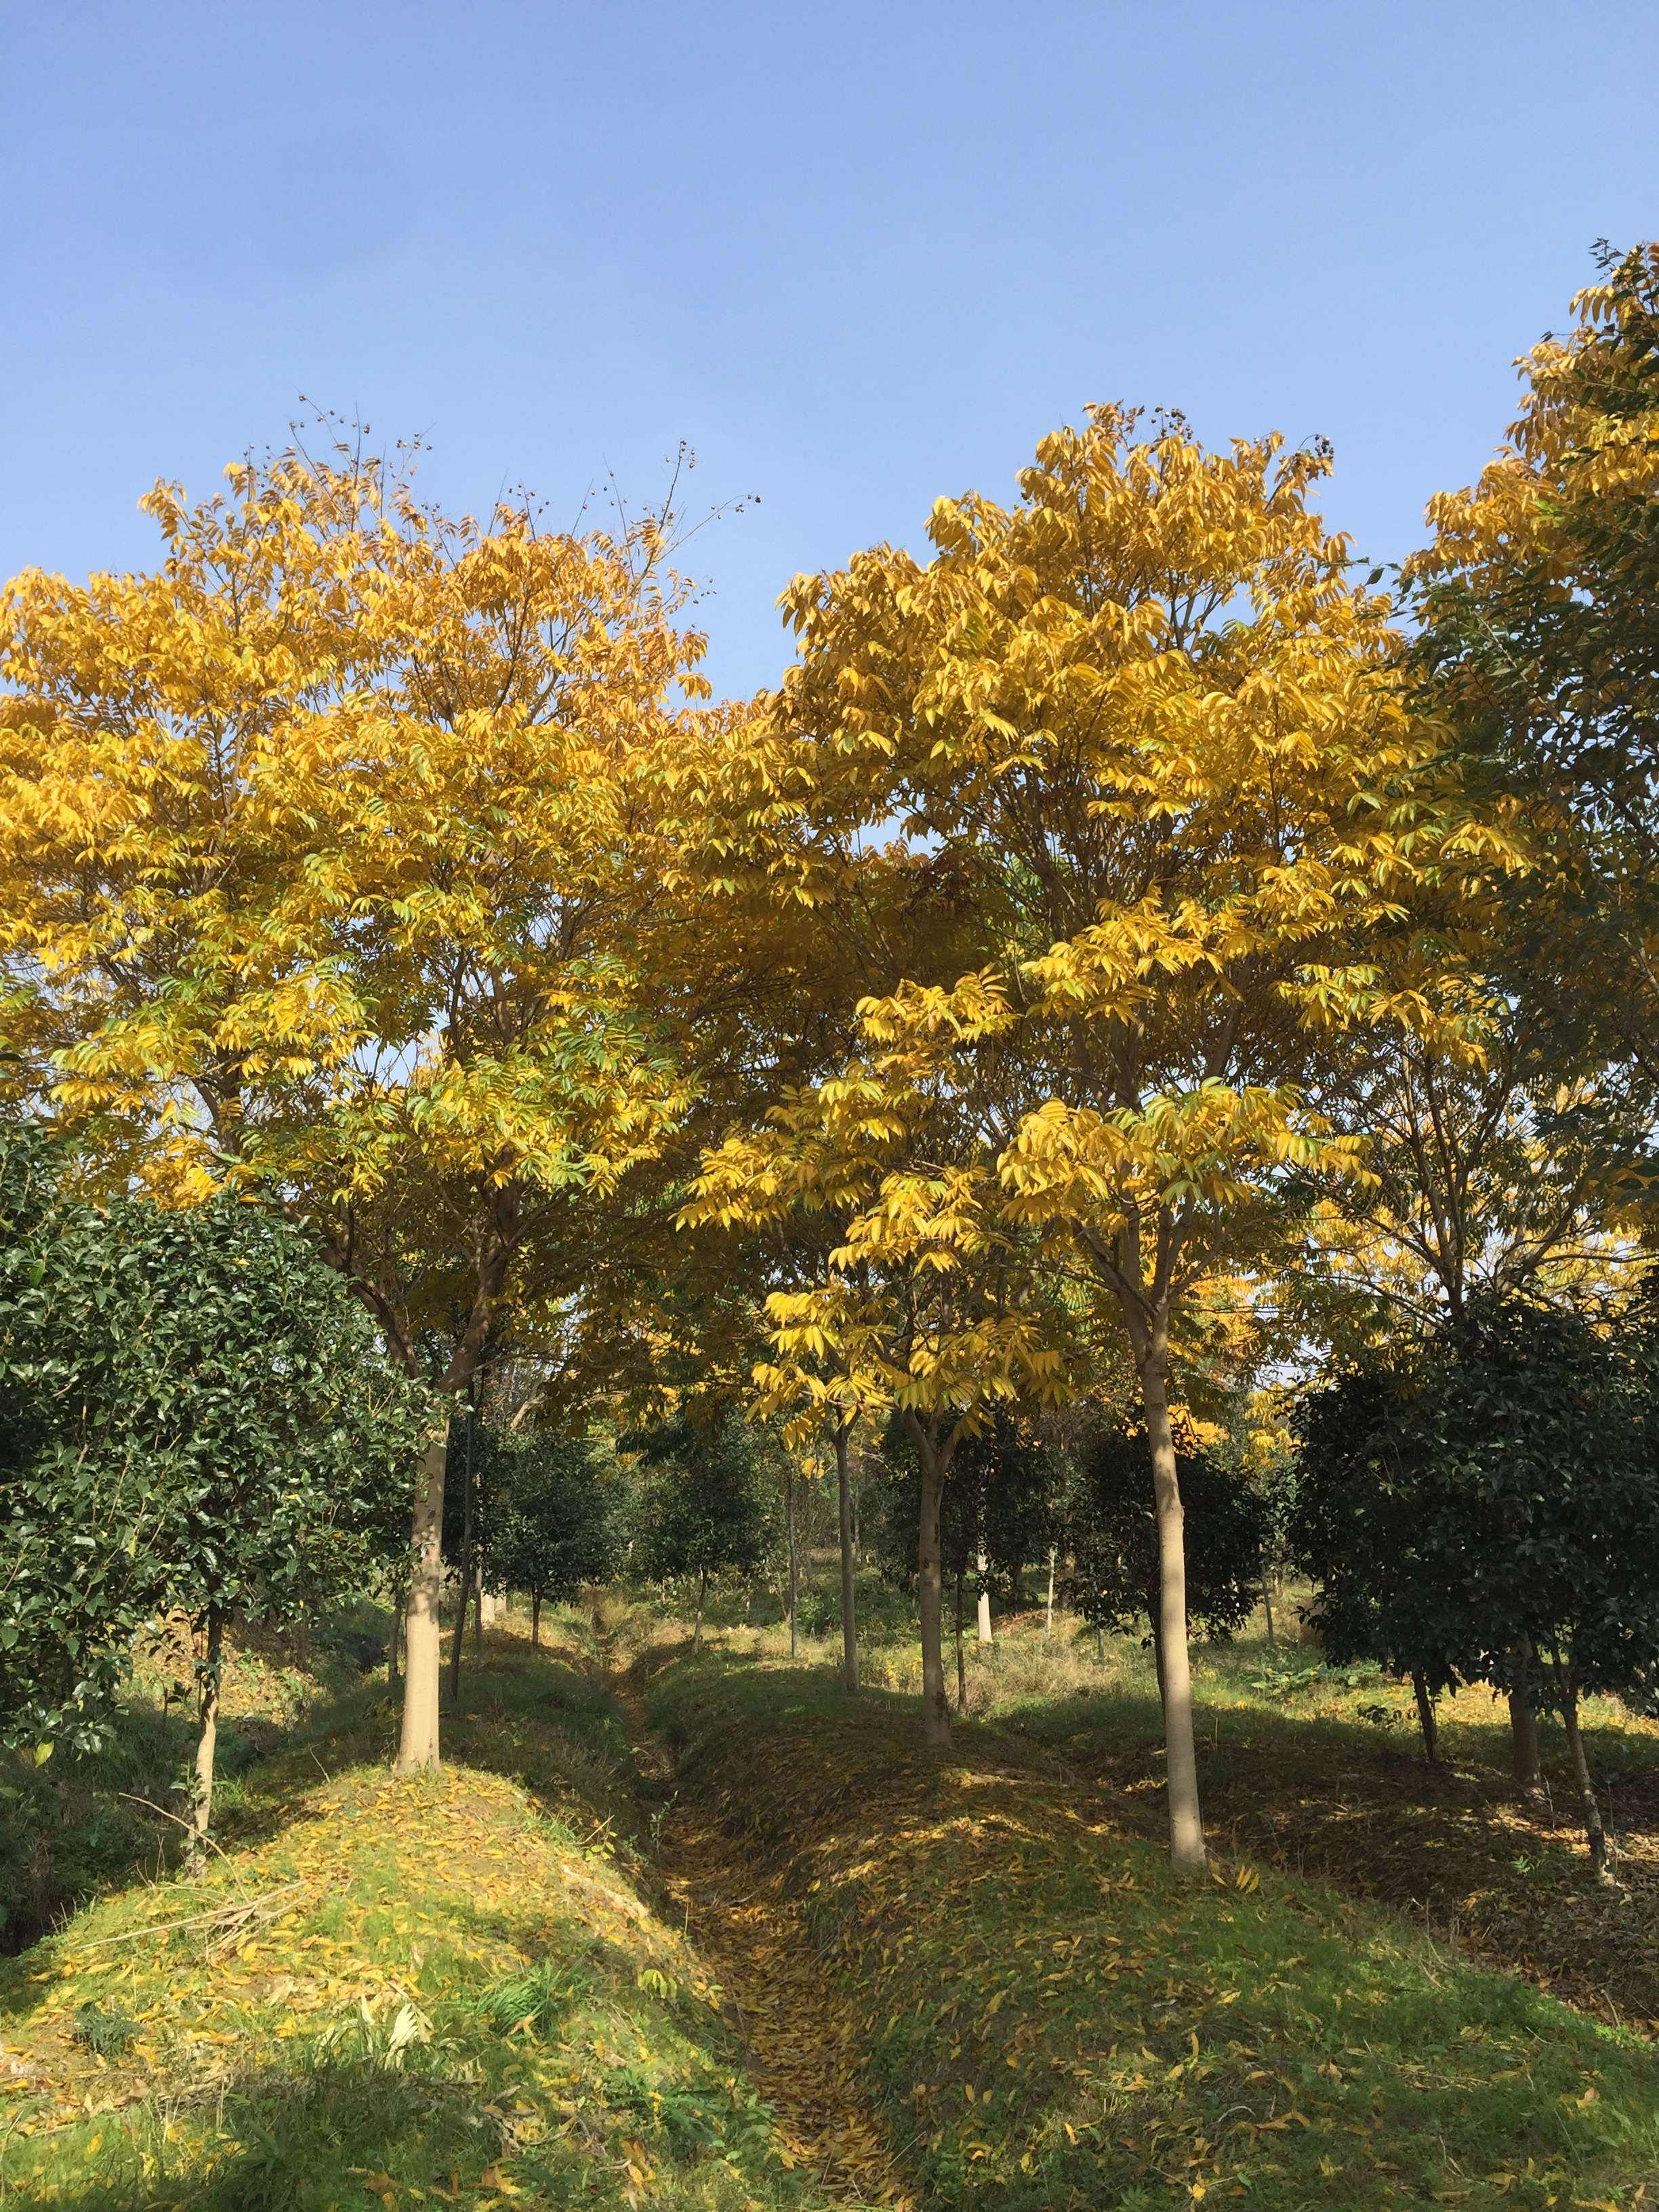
(1267, 1607)
(1594, 1834)
(703, 1592)
(962, 1667)
(1426, 1720)
(981, 1572)
(201, 1795)
(936, 1711)
(465, 1592)
(1048, 1609)
(794, 1561)
(1187, 1852)
(849, 1639)
(418, 1745)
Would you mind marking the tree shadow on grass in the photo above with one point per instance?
(270, 2141)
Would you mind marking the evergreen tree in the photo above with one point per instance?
(213, 1430)
(554, 1516)
(1486, 1509)
(1114, 1537)
(707, 1504)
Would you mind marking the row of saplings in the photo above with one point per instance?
(197, 1420)
(1477, 1504)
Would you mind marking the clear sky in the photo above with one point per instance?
(857, 255)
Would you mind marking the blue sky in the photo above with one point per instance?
(857, 255)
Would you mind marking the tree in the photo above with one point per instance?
(1488, 1510)
(927, 1309)
(707, 1504)
(554, 1522)
(80, 1525)
(1539, 645)
(1362, 1526)
(1158, 727)
(1494, 1166)
(999, 1508)
(330, 854)
(284, 1435)
(1114, 1539)
(217, 1433)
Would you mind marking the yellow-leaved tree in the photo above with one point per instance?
(331, 856)
(926, 1302)
(1151, 717)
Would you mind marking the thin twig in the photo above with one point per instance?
(245, 1908)
(188, 1826)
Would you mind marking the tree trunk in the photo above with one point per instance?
(1267, 1607)
(981, 1576)
(1100, 1644)
(849, 1639)
(936, 1711)
(962, 1668)
(463, 1593)
(702, 1591)
(1523, 1742)
(535, 1620)
(1187, 1852)
(418, 1744)
(794, 1560)
(201, 1795)
(1048, 1615)
(463, 1603)
(1594, 1833)
(1426, 1720)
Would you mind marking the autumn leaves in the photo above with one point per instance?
(1146, 728)
(972, 1019)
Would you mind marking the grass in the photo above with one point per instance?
(466, 1989)
(454, 1989)
(1320, 1771)
(81, 1824)
(1049, 2021)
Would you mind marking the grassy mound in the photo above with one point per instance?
(389, 1992)
(1049, 2021)
(1320, 1771)
(80, 1823)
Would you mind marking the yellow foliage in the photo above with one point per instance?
(330, 853)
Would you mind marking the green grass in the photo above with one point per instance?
(78, 1825)
(1050, 2022)
(455, 1985)
(1320, 1771)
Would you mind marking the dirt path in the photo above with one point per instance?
(802, 2052)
